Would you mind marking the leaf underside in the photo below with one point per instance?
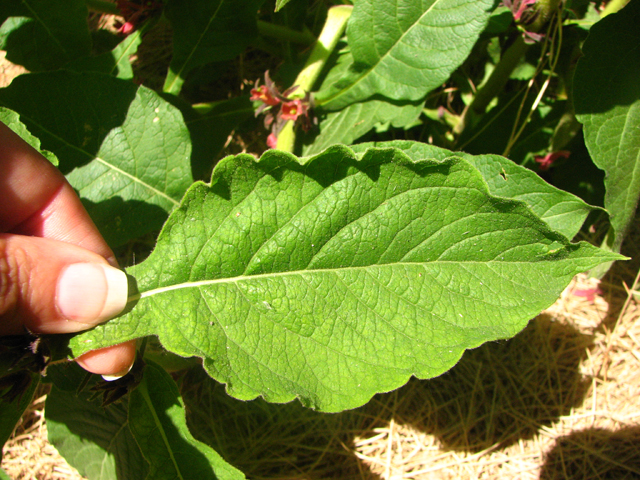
(337, 278)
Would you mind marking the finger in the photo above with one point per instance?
(69, 291)
(38, 201)
(113, 362)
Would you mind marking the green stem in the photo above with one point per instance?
(613, 6)
(509, 61)
(331, 32)
(101, 6)
(285, 34)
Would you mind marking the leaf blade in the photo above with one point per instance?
(340, 278)
(562, 211)
(158, 423)
(44, 35)
(406, 58)
(125, 149)
(206, 32)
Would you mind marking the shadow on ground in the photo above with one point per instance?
(497, 394)
(594, 453)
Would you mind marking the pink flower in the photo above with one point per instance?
(272, 141)
(545, 161)
(518, 7)
(263, 94)
(292, 109)
(589, 293)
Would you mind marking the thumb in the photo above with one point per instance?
(50, 286)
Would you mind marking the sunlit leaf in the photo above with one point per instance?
(340, 278)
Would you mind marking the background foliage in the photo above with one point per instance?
(338, 275)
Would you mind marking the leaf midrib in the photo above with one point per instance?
(367, 72)
(104, 162)
(45, 26)
(147, 398)
(195, 47)
(246, 278)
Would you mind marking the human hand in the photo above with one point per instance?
(57, 274)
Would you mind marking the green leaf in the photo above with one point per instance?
(206, 31)
(340, 278)
(44, 34)
(10, 412)
(124, 149)
(350, 123)
(157, 420)
(115, 62)
(561, 210)
(403, 50)
(12, 120)
(280, 4)
(95, 440)
(607, 102)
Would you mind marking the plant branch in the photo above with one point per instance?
(331, 32)
(501, 73)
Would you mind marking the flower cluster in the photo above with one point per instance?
(285, 107)
(524, 14)
(135, 13)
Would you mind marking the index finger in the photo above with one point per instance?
(39, 201)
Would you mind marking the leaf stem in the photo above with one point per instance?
(509, 61)
(333, 29)
(613, 6)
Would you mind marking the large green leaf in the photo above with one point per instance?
(206, 31)
(561, 210)
(124, 148)
(44, 34)
(340, 278)
(93, 439)
(403, 50)
(607, 102)
(157, 419)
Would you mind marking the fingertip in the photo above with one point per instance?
(111, 361)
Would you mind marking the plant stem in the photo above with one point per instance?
(285, 34)
(509, 61)
(101, 6)
(613, 6)
(331, 32)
